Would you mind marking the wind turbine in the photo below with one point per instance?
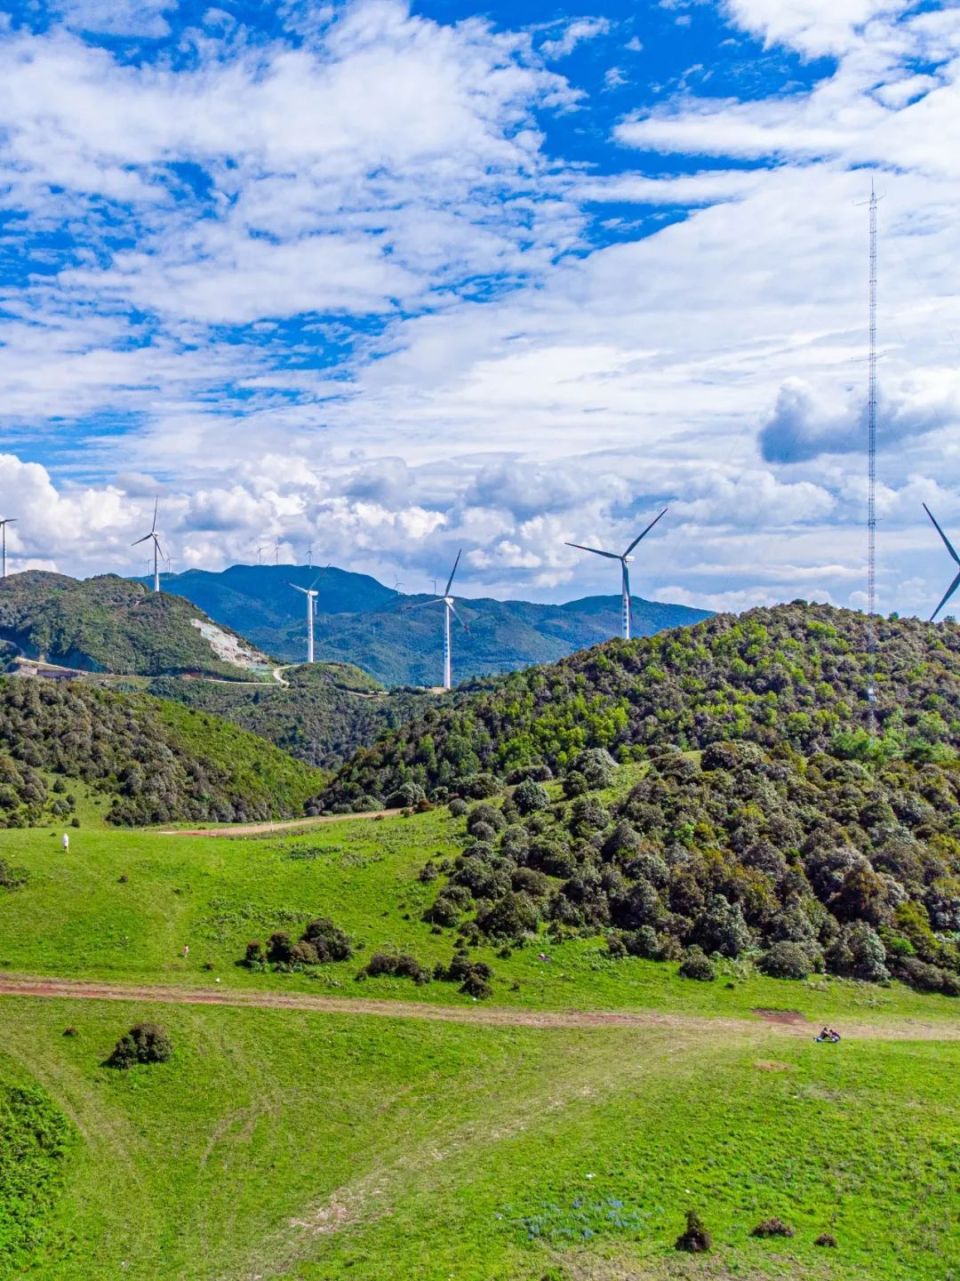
(311, 594)
(9, 520)
(449, 612)
(624, 559)
(949, 546)
(157, 549)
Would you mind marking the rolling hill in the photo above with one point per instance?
(321, 713)
(361, 621)
(793, 677)
(111, 624)
(150, 761)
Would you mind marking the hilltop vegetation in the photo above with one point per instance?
(154, 761)
(108, 624)
(322, 713)
(794, 676)
(361, 621)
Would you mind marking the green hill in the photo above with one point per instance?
(110, 624)
(151, 761)
(794, 676)
(320, 714)
(361, 621)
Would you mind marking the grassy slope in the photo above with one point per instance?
(217, 894)
(283, 1144)
(321, 1148)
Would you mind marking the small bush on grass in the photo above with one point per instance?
(144, 1043)
(473, 976)
(458, 807)
(330, 942)
(696, 1239)
(697, 965)
(400, 965)
(827, 1239)
(772, 1228)
(254, 958)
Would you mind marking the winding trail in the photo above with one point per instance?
(477, 1015)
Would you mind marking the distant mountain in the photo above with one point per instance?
(111, 624)
(363, 622)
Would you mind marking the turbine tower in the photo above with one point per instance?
(950, 548)
(9, 520)
(449, 612)
(157, 550)
(872, 470)
(311, 594)
(624, 559)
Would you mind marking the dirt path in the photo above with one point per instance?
(286, 825)
(479, 1015)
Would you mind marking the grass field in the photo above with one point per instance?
(294, 1144)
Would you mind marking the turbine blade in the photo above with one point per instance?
(156, 508)
(159, 548)
(452, 572)
(646, 531)
(946, 596)
(946, 540)
(422, 604)
(596, 551)
(453, 611)
(300, 589)
(141, 540)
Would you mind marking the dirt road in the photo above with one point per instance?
(285, 825)
(480, 1015)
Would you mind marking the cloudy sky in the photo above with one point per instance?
(389, 279)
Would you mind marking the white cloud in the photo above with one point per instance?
(119, 17)
(574, 33)
(814, 26)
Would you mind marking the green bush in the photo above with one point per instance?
(395, 965)
(773, 1228)
(696, 965)
(786, 960)
(144, 1043)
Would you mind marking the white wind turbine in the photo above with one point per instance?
(624, 559)
(311, 594)
(449, 612)
(8, 520)
(157, 550)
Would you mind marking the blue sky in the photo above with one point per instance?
(392, 279)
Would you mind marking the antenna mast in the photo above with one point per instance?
(872, 473)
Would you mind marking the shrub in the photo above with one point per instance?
(429, 872)
(529, 797)
(304, 953)
(457, 807)
(399, 965)
(926, 978)
(827, 1239)
(473, 976)
(71, 1031)
(695, 965)
(406, 796)
(278, 947)
(144, 1043)
(487, 815)
(511, 916)
(255, 956)
(858, 953)
(696, 1239)
(773, 1228)
(786, 960)
(721, 928)
(328, 940)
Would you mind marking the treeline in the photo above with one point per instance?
(795, 675)
(158, 762)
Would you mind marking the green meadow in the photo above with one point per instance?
(280, 1143)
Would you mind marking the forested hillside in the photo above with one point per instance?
(795, 675)
(156, 762)
(111, 624)
(321, 714)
